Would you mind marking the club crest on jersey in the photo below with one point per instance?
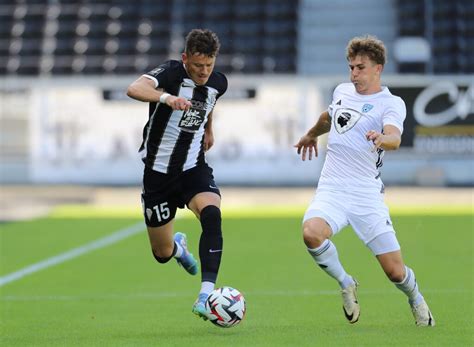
(367, 107)
(345, 119)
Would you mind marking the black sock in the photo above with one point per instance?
(210, 244)
(165, 260)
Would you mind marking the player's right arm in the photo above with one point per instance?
(309, 142)
(143, 89)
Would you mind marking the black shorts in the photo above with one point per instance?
(164, 193)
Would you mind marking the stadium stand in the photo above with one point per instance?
(448, 26)
(66, 37)
(83, 37)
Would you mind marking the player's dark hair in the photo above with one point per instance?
(202, 41)
(369, 46)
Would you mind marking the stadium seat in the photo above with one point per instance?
(218, 10)
(125, 65)
(247, 45)
(29, 65)
(249, 10)
(6, 23)
(450, 23)
(88, 37)
(62, 65)
(31, 47)
(4, 47)
(64, 46)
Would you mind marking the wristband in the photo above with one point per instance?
(163, 98)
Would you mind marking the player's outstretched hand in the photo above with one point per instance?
(307, 145)
(178, 103)
(376, 138)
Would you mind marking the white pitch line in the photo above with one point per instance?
(73, 253)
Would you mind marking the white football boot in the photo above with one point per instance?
(422, 314)
(350, 305)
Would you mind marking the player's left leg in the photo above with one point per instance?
(387, 251)
(324, 217)
(371, 221)
(206, 206)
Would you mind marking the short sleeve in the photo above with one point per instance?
(159, 75)
(395, 113)
(335, 99)
(222, 85)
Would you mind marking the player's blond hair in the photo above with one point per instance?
(369, 46)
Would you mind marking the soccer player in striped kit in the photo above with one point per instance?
(363, 120)
(181, 96)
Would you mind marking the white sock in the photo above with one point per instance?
(179, 250)
(327, 258)
(206, 287)
(410, 287)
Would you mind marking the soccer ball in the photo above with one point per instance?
(226, 306)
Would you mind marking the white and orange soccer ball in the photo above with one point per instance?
(226, 306)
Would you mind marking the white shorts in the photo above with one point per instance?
(366, 212)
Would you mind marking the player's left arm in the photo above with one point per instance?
(388, 140)
(208, 133)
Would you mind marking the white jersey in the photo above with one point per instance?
(351, 163)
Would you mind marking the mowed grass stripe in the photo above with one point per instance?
(283, 211)
(251, 293)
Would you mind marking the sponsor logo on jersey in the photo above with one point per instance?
(203, 105)
(345, 119)
(367, 107)
(192, 119)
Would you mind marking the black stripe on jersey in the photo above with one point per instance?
(200, 158)
(180, 152)
(379, 159)
(160, 118)
(183, 144)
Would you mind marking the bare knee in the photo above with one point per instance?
(161, 240)
(393, 266)
(315, 232)
(163, 251)
(395, 273)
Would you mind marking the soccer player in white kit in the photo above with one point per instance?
(363, 120)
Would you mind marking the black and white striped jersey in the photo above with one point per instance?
(173, 140)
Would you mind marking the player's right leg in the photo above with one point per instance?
(159, 204)
(183, 256)
(166, 246)
(316, 233)
(162, 244)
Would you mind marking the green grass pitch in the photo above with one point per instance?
(119, 296)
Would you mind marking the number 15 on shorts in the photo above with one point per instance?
(162, 211)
